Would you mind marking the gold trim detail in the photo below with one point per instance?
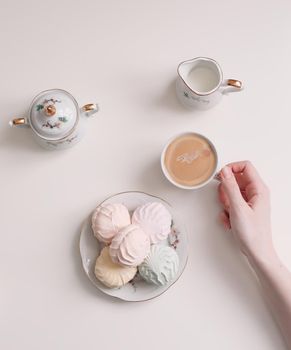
(202, 58)
(18, 121)
(50, 110)
(234, 83)
(89, 107)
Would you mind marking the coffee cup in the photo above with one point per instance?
(200, 83)
(189, 161)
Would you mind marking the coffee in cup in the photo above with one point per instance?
(189, 161)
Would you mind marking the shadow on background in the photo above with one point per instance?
(169, 100)
(19, 138)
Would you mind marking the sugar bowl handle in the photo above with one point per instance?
(18, 122)
(90, 109)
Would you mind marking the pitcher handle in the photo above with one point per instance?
(18, 122)
(90, 109)
(231, 85)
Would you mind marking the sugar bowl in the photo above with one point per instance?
(56, 120)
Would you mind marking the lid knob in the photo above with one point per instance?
(50, 110)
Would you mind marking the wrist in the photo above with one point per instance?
(263, 259)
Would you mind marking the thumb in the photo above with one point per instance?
(231, 188)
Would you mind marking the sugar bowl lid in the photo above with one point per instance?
(53, 114)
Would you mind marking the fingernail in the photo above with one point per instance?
(226, 172)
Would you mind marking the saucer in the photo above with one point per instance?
(137, 289)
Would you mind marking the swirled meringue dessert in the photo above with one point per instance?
(108, 219)
(154, 219)
(130, 246)
(161, 265)
(110, 274)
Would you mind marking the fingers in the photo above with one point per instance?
(223, 197)
(243, 166)
(224, 219)
(231, 188)
(246, 173)
(249, 181)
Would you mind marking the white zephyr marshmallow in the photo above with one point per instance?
(130, 246)
(154, 219)
(161, 265)
(108, 219)
(110, 274)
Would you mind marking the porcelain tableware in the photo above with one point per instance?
(200, 83)
(189, 158)
(56, 120)
(137, 289)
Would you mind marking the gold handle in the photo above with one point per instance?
(234, 83)
(18, 122)
(90, 107)
(217, 177)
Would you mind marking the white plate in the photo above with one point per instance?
(137, 289)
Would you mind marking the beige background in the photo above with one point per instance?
(124, 55)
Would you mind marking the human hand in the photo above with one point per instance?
(246, 211)
(246, 208)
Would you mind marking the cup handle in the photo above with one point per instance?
(90, 109)
(217, 176)
(231, 85)
(18, 122)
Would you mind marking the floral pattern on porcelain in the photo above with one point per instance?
(40, 106)
(174, 237)
(57, 124)
(56, 120)
(57, 143)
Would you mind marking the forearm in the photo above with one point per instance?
(275, 280)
